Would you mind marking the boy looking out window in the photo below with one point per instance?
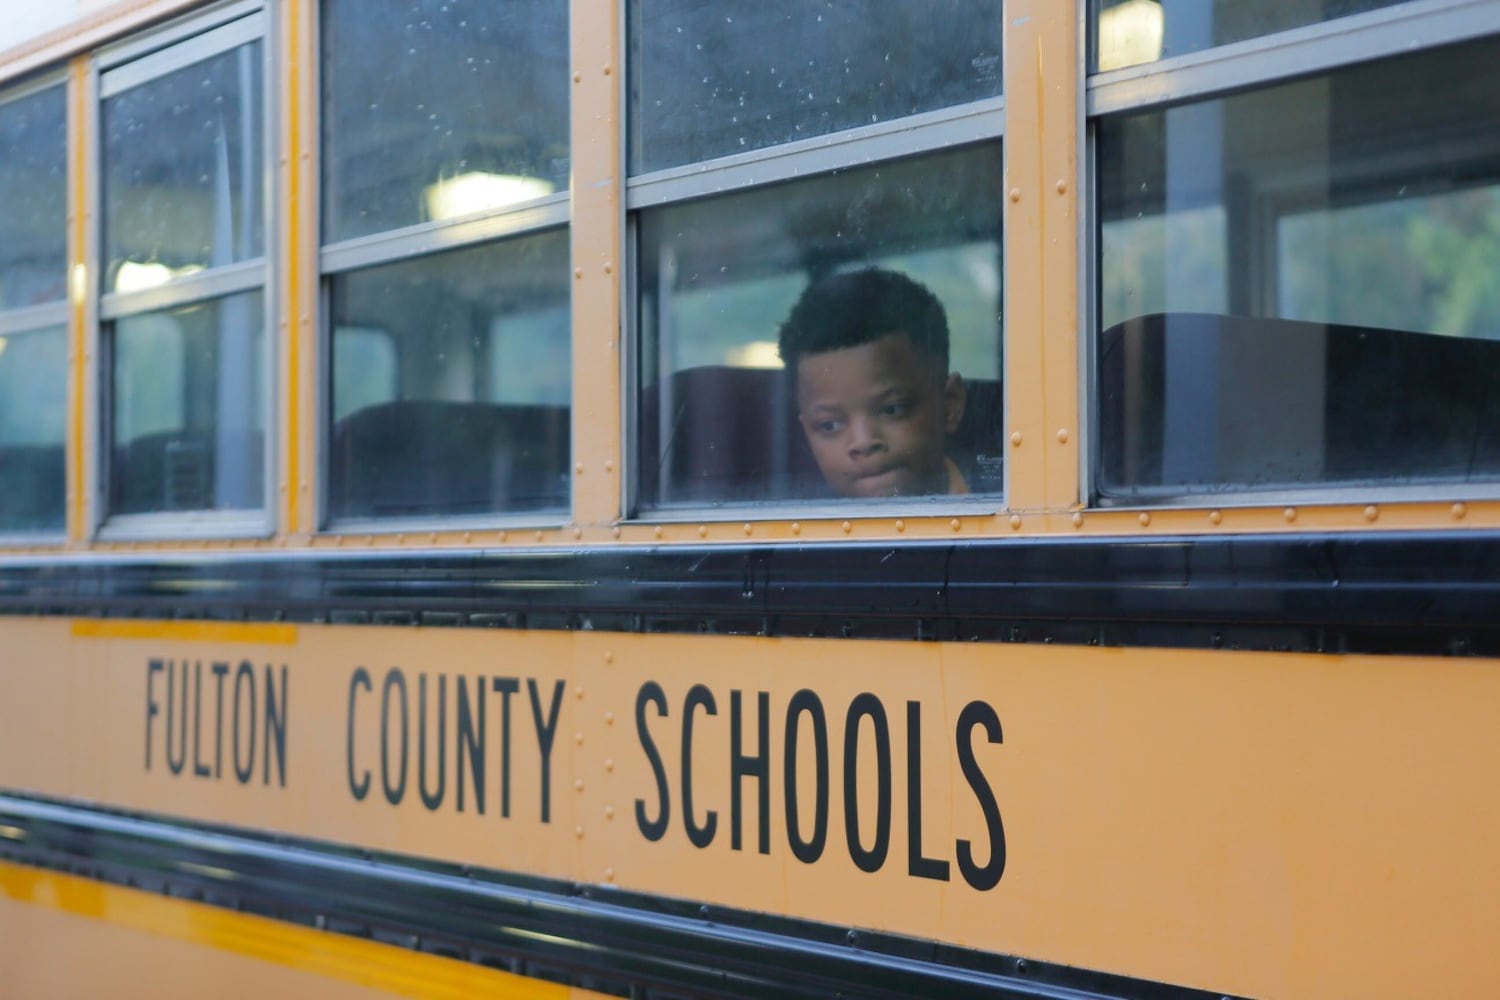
(868, 353)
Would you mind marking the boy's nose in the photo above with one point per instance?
(864, 437)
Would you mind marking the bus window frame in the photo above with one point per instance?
(972, 123)
(139, 59)
(1309, 52)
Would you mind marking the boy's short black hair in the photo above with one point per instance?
(856, 307)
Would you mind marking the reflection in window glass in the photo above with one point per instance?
(1297, 284)
(473, 93)
(189, 422)
(1131, 32)
(183, 172)
(715, 77)
(33, 430)
(448, 437)
(719, 416)
(33, 199)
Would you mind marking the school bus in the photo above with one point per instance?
(421, 572)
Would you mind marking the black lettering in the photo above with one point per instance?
(200, 769)
(153, 667)
(652, 829)
(220, 671)
(176, 718)
(276, 726)
(507, 686)
(917, 864)
(546, 732)
(867, 706)
(977, 713)
(746, 766)
(432, 799)
(474, 740)
(358, 787)
(244, 680)
(809, 850)
(700, 836)
(395, 680)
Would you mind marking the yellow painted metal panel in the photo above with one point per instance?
(1263, 824)
(63, 936)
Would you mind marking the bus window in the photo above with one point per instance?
(721, 420)
(449, 433)
(1297, 283)
(715, 79)
(188, 421)
(447, 266)
(1132, 32)
(474, 96)
(183, 193)
(33, 310)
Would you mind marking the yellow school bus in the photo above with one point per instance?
(425, 568)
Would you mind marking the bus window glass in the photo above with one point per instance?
(33, 199)
(473, 93)
(720, 420)
(33, 430)
(1132, 32)
(449, 437)
(188, 409)
(184, 171)
(1297, 283)
(364, 368)
(712, 78)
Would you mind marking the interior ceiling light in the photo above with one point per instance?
(468, 193)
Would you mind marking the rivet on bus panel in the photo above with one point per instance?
(578, 785)
(578, 468)
(609, 874)
(578, 693)
(609, 812)
(1372, 512)
(702, 531)
(609, 766)
(1015, 522)
(1078, 519)
(578, 738)
(1062, 186)
(609, 465)
(609, 718)
(1145, 519)
(578, 272)
(577, 77)
(502, 536)
(796, 528)
(955, 524)
(468, 537)
(1015, 439)
(431, 537)
(609, 268)
(400, 538)
(847, 527)
(608, 69)
(1015, 194)
(900, 525)
(577, 532)
(1459, 510)
(1290, 514)
(615, 531)
(1062, 435)
(1214, 517)
(748, 529)
(658, 531)
(578, 832)
(609, 656)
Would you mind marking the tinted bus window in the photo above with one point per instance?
(1297, 283)
(33, 199)
(33, 430)
(721, 419)
(711, 79)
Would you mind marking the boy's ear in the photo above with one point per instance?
(954, 397)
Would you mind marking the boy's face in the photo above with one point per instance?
(877, 416)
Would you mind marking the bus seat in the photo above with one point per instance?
(174, 470)
(418, 458)
(34, 493)
(1192, 400)
(731, 434)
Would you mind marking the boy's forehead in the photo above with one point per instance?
(880, 355)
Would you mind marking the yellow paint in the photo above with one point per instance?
(294, 83)
(1042, 142)
(79, 255)
(318, 956)
(263, 633)
(596, 185)
(1254, 823)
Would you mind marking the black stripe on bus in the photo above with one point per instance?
(1432, 593)
(610, 941)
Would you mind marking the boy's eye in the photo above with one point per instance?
(829, 426)
(898, 408)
